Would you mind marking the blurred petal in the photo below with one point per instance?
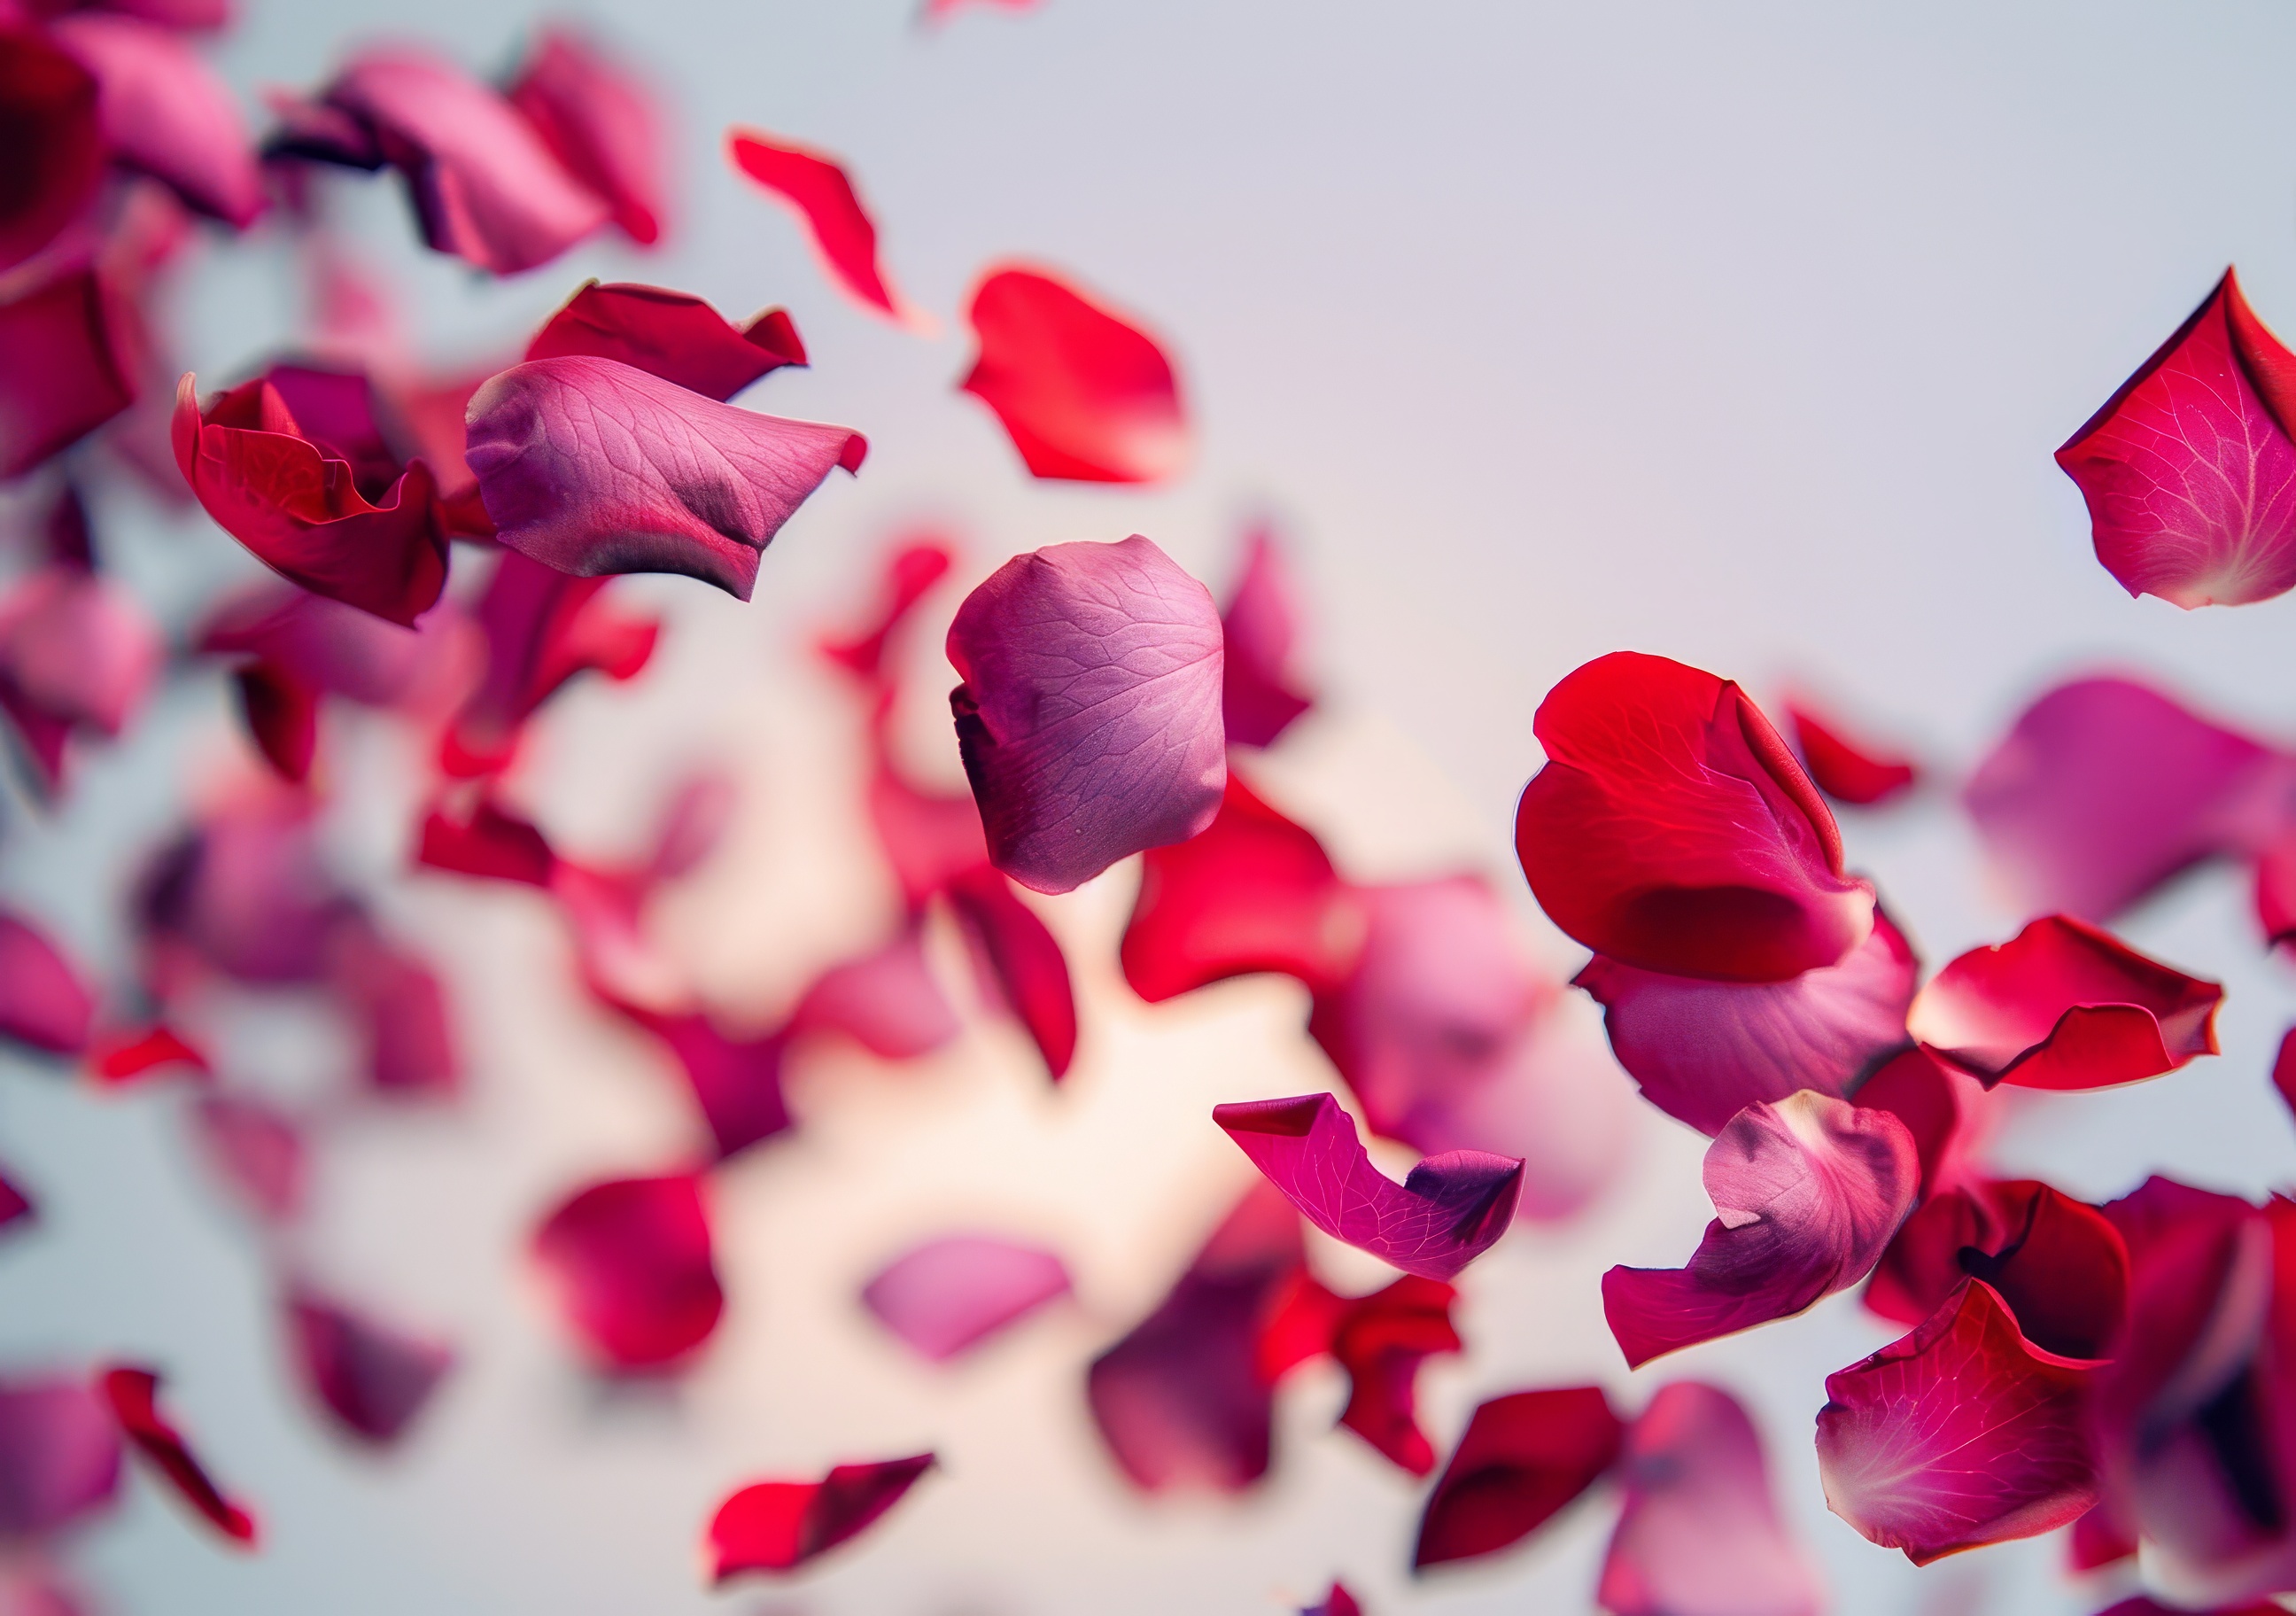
(59, 1455)
(488, 842)
(1843, 769)
(77, 646)
(320, 643)
(888, 1001)
(1523, 1458)
(778, 1526)
(133, 1395)
(630, 1262)
(246, 893)
(948, 1295)
(542, 629)
(1381, 1340)
(165, 111)
(1024, 958)
(43, 1002)
(372, 1378)
(816, 186)
(670, 334)
(128, 1056)
(1339, 1602)
(56, 144)
(17, 1211)
(258, 1151)
(70, 367)
(1261, 626)
(1089, 716)
(737, 1082)
(601, 124)
(909, 572)
(400, 1009)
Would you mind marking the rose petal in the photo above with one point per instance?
(130, 1056)
(778, 1526)
(2059, 1265)
(592, 466)
(283, 718)
(1702, 1050)
(2098, 1538)
(132, 1396)
(601, 124)
(1339, 1602)
(43, 1003)
(17, 1211)
(79, 648)
(1523, 1458)
(1381, 1340)
(400, 1009)
(1261, 626)
(372, 1378)
(1699, 1534)
(1025, 961)
(888, 1001)
(70, 368)
(909, 572)
(165, 111)
(736, 1082)
(2065, 1005)
(2188, 470)
(1961, 1433)
(815, 187)
(488, 842)
(670, 334)
(629, 1261)
(258, 1153)
(947, 1295)
(1842, 768)
(1253, 891)
(1671, 829)
(1450, 1210)
(1807, 1193)
(1089, 714)
(929, 838)
(319, 643)
(247, 894)
(1085, 394)
(2140, 1605)
(1945, 1109)
(56, 144)
(59, 1455)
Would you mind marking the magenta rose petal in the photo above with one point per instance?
(56, 144)
(1023, 958)
(165, 111)
(60, 1453)
(948, 1295)
(43, 1002)
(779, 1526)
(1261, 622)
(630, 1262)
(601, 125)
(888, 1001)
(670, 334)
(71, 366)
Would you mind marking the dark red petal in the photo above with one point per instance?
(1699, 1533)
(2189, 471)
(1253, 891)
(1807, 1192)
(54, 143)
(258, 1151)
(165, 111)
(601, 124)
(1381, 1340)
(888, 1001)
(2065, 1005)
(1085, 394)
(1524, 1457)
(373, 1379)
(1671, 829)
(43, 1002)
(1844, 770)
(2140, 1605)
(909, 572)
(489, 843)
(630, 1262)
(67, 370)
(59, 1455)
(592, 466)
(1089, 717)
(2060, 1267)
(949, 1294)
(1025, 959)
(778, 1526)
(736, 1082)
(670, 334)
(1450, 1210)
(1261, 624)
(1702, 1050)
(1961, 1434)
(133, 1395)
(282, 716)
(814, 184)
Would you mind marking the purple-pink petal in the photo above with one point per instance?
(43, 1002)
(947, 1294)
(1259, 697)
(165, 111)
(59, 1455)
(372, 1378)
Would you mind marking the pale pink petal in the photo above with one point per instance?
(947, 1295)
(888, 1001)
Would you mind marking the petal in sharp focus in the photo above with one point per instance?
(133, 1395)
(670, 334)
(778, 1526)
(601, 124)
(816, 186)
(1523, 1459)
(946, 1296)
(631, 1264)
(1258, 696)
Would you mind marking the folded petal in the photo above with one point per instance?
(1450, 1209)
(1261, 625)
(43, 1001)
(1085, 394)
(1671, 829)
(1023, 959)
(601, 124)
(1523, 1458)
(165, 111)
(592, 466)
(778, 1526)
(1381, 1340)
(2189, 470)
(630, 1262)
(1253, 891)
(2065, 1005)
(815, 187)
(1699, 1534)
(55, 143)
(888, 1001)
(1843, 769)
(2060, 1267)
(1702, 1050)
(70, 367)
(1807, 1193)
(59, 1455)
(670, 334)
(1089, 717)
(948, 1295)
(133, 1395)
(372, 1378)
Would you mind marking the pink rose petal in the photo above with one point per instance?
(736, 1082)
(1261, 625)
(779, 1526)
(888, 1001)
(373, 1379)
(165, 111)
(43, 1001)
(630, 1262)
(949, 1294)
(72, 365)
(56, 148)
(258, 1153)
(59, 1455)
(601, 124)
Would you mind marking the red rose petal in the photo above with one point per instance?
(373, 1379)
(1085, 394)
(1961, 1434)
(2189, 471)
(816, 188)
(888, 1001)
(132, 1396)
(670, 334)
(2065, 1005)
(1523, 1458)
(948, 1295)
(602, 126)
(1807, 1193)
(630, 1262)
(592, 466)
(1261, 624)
(43, 1002)
(130, 1056)
(1024, 959)
(70, 369)
(55, 143)
(1671, 829)
(1945, 1109)
(1843, 769)
(1381, 1340)
(59, 1455)
(778, 1526)
(165, 111)
(909, 572)
(2059, 1265)
(488, 842)
(1450, 1210)
(929, 838)
(1089, 716)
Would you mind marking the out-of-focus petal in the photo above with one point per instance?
(1085, 394)
(1025, 960)
(2065, 1005)
(592, 466)
(320, 643)
(165, 111)
(486, 841)
(1672, 829)
(778, 1526)
(59, 1455)
(631, 1264)
(1381, 1340)
(671, 334)
(1845, 769)
(1699, 1534)
(1089, 717)
(909, 572)
(601, 124)
(258, 1151)
(399, 1007)
(1450, 1209)
(77, 645)
(888, 1001)
(929, 838)
(17, 1210)
(736, 1082)
(1702, 1050)
(1807, 1193)
(1257, 699)
(815, 187)
(1960, 1434)
(71, 367)
(947, 1295)
(131, 1055)
(2189, 470)
(43, 1001)
(133, 1397)
(1523, 1458)
(55, 141)
(1339, 1602)
(246, 893)
(372, 1378)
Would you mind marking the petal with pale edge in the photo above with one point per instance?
(1524, 1457)
(631, 1264)
(1961, 1434)
(949, 1294)
(133, 1397)
(778, 1526)
(670, 334)
(1450, 1209)
(816, 185)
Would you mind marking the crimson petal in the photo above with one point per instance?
(372, 1378)
(670, 334)
(909, 572)
(2060, 1267)
(1381, 1340)
(1843, 769)
(631, 1264)
(1523, 1458)
(1262, 630)
(737, 1082)
(133, 1395)
(816, 187)
(949, 1294)
(778, 1526)
(600, 125)
(1339, 1602)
